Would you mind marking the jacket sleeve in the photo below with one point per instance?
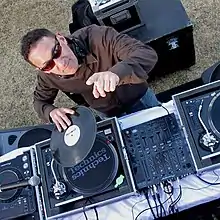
(44, 97)
(135, 57)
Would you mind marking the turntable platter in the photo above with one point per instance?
(213, 114)
(33, 136)
(97, 171)
(9, 176)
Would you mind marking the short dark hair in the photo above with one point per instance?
(30, 39)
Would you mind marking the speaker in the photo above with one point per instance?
(122, 15)
(14, 138)
(169, 31)
(211, 74)
(163, 25)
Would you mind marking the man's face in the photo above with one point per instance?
(53, 55)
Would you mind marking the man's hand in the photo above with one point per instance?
(58, 116)
(103, 82)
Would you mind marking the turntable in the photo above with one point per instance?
(14, 138)
(100, 175)
(19, 202)
(198, 110)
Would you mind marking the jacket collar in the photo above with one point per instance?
(81, 51)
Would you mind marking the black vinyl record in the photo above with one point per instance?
(97, 171)
(213, 114)
(71, 146)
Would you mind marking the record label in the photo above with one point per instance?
(72, 135)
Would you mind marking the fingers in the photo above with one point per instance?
(103, 82)
(57, 125)
(68, 110)
(112, 85)
(100, 86)
(107, 84)
(60, 118)
(63, 119)
(95, 92)
(92, 79)
(61, 125)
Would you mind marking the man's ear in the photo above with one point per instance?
(60, 37)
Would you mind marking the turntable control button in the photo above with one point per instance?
(24, 158)
(25, 166)
(110, 138)
(26, 172)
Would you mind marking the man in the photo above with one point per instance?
(106, 68)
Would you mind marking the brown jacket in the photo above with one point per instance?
(108, 50)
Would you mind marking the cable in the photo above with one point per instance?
(164, 108)
(149, 208)
(157, 196)
(168, 189)
(84, 206)
(155, 201)
(161, 204)
(204, 186)
(96, 212)
(162, 210)
(84, 212)
(172, 205)
(132, 209)
(207, 181)
(148, 201)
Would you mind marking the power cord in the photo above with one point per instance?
(148, 201)
(168, 189)
(149, 208)
(205, 181)
(132, 208)
(162, 209)
(96, 211)
(152, 191)
(84, 212)
(172, 205)
(164, 108)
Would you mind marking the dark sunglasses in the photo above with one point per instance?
(56, 52)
